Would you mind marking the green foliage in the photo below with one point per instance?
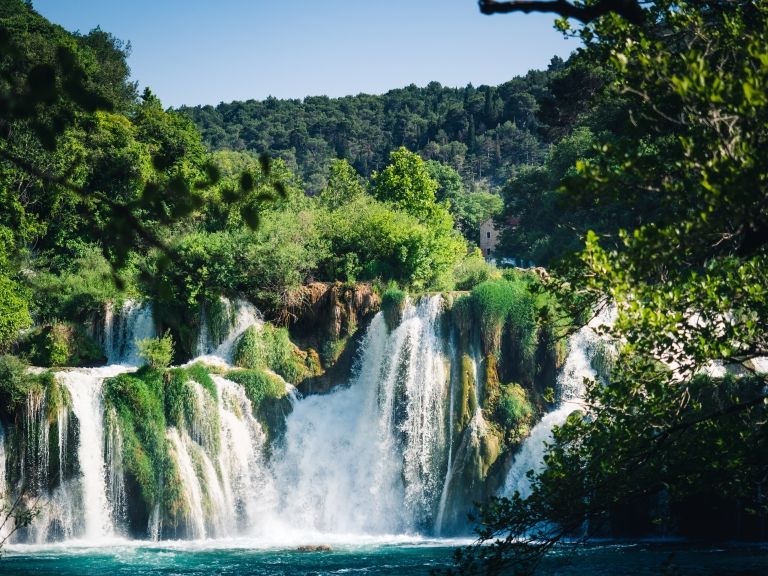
(381, 242)
(15, 384)
(157, 352)
(406, 184)
(61, 344)
(681, 249)
(271, 348)
(14, 311)
(392, 304)
(135, 401)
(260, 385)
(480, 132)
(344, 185)
(80, 289)
(513, 410)
(503, 303)
(474, 270)
(249, 350)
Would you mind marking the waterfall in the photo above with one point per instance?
(123, 327)
(369, 458)
(97, 511)
(217, 346)
(249, 489)
(220, 462)
(570, 389)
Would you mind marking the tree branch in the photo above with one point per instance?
(628, 9)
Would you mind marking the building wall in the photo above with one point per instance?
(489, 238)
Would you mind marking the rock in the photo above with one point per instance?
(314, 548)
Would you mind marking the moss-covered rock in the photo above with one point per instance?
(467, 404)
(392, 306)
(268, 396)
(61, 344)
(271, 347)
(135, 401)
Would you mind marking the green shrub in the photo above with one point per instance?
(77, 292)
(270, 347)
(513, 410)
(500, 303)
(259, 385)
(473, 270)
(61, 344)
(15, 383)
(157, 352)
(249, 350)
(14, 312)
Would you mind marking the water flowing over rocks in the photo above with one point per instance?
(402, 439)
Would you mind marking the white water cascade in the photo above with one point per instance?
(570, 384)
(123, 327)
(84, 386)
(369, 458)
(238, 316)
(220, 463)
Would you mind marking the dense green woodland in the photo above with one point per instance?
(636, 172)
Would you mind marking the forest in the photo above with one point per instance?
(345, 230)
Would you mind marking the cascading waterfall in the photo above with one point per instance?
(84, 387)
(215, 346)
(570, 389)
(123, 327)
(373, 457)
(370, 458)
(220, 463)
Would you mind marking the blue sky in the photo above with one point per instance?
(206, 52)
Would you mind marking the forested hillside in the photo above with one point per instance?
(482, 132)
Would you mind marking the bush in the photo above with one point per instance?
(382, 242)
(61, 344)
(158, 352)
(77, 292)
(513, 410)
(15, 383)
(500, 303)
(14, 312)
(270, 347)
(259, 385)
(249, 350)
(473, 270)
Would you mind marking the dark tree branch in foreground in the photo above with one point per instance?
(630, 10)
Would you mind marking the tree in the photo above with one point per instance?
(586, 12)
(406, 184)
(344, 185)
(14, 311)
(687, 274)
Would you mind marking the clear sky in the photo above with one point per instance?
(209, 51)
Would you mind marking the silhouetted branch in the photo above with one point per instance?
(630, 10)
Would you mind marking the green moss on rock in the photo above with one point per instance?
(392, 305)
(136, 402)
(271, 347)
(61, 344)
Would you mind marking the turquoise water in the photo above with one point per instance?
(405, 558)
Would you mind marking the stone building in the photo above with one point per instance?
(489, 238)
